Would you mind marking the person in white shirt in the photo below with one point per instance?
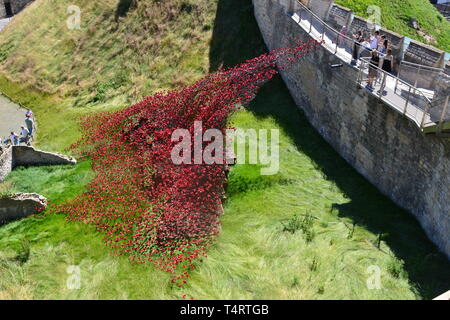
(30, 124)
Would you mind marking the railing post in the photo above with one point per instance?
(444, 111)
(323, 33)
(310, 23)
(360, 75)
(417, 77)
(383, 85)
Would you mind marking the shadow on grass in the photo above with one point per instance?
(236, 38)
(123, 7)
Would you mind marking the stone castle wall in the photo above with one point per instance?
(6, 163)
(381, 144)
(2, 9)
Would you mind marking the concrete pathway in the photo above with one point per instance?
(12, 117)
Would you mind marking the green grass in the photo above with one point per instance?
(56, 244)
(396, 14)
(58, 183)
(255, 257)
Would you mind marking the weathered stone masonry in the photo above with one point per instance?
(383, 145)
(21, 205)
(6, 163)
(28, 156)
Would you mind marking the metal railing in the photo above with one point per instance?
(404, 97)
(440, 112)
(335, 41)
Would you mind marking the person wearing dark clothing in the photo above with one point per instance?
(386, 65)
(388, 61)
(358, 38)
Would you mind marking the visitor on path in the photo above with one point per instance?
(24, 136)
(374, 39)
(373, 72)
(387, 64)
(358, 38)
(13, 139)
(30, 125)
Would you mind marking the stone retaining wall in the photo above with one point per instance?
(339, 16)
(20, 205)
(12, 157)
(380, 143)
(6, 163)
(28, 156)
(422, 54)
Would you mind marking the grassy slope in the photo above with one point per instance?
(254, 257)
(395, 16)
(112, 61)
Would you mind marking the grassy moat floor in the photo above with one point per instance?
(257, 255)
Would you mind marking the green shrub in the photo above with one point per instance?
(300, 222)
(396, 268)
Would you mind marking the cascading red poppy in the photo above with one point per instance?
(145, 205)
